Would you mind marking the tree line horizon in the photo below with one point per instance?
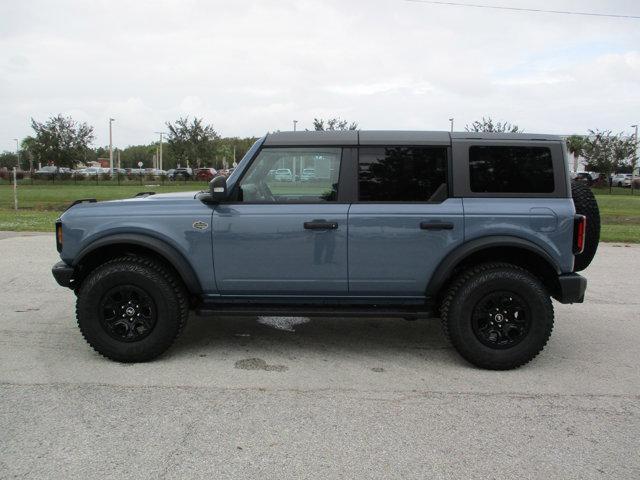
(64, 142)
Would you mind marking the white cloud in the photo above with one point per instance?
(251, 66)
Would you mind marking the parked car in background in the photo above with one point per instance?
(91, 171)
(181, 174)
(584, 177)
(621, 180)
(283, 175)
(46, 172)
(308, 174)
(205, 174)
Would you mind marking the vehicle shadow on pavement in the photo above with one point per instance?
(312, 336)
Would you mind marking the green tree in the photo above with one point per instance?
(488, 125)
(130, 156)
(192, 142)
(606, 152)
(61, 141)
(27, 155)
(332, 124)
(8, 160)
(575, 146)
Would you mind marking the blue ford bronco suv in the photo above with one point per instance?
(481, 230)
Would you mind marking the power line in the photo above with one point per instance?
(518, 9)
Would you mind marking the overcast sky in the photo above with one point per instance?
(252, 66)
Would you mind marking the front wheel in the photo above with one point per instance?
(497, 316)
(131, 309)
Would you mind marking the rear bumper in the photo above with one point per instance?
(63, 273)
(572, 288)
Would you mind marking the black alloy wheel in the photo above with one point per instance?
(127, 313)
(501, 319)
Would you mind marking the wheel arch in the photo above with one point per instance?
(507, 249)
(112, 246)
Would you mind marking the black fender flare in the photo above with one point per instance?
(172, 256)
(443, 272)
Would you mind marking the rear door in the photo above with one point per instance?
(404, 222)
(284, 237)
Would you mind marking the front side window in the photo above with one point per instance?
(292, 175)
(507, 169)
(402, 174)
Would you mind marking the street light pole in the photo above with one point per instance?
(295, 124)
(451, 120)
(160, 155)
(111, 120)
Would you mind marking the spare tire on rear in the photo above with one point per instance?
(586, 204)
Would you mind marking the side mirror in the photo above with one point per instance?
(218, 189)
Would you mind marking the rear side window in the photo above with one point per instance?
(402, 174)
(510, 169)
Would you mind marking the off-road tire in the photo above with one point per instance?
(474, 284)
(586, 204)
(158, 282)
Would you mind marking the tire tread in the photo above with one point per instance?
(152, 264)
(450, 297)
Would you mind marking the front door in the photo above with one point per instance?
(404, 222)
(286, 234)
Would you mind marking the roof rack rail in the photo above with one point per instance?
(143, 194)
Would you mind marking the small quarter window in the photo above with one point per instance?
(510, 169)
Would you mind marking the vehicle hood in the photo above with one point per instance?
(140, 205)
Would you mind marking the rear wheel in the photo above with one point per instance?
(497, 316)
(131, 309)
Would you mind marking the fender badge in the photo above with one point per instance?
(200, 225)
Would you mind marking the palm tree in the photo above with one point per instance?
(575, 145)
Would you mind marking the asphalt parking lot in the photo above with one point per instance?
(326, 398)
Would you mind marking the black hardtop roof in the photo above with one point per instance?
(391, 137)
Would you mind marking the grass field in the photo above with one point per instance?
(40, 205)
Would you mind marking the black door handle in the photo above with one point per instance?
(436, 226)
(319, 225)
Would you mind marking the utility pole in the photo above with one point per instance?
(451, 120)
(160, 167)
(111, 120)
(15, 188)
(295, 124)
(635, 158)
(18, 152)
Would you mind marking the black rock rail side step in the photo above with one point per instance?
(230, 309)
